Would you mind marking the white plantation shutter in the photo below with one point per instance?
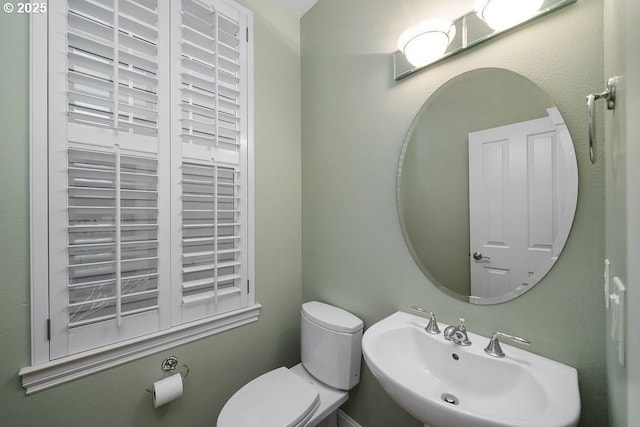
(210, 181)
(106, 280)
(148, 167)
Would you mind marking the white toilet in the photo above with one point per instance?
(310, 393)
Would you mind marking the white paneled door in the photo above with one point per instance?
(513, 204)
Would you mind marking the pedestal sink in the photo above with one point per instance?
(443, 384)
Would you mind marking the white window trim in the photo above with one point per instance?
(44, 373)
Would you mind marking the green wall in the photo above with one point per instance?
(220, 364)
(354, 120)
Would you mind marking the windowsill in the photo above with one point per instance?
(43, 376)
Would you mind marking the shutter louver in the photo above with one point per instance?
(113, 246)
(112, 196)
(210, 77)
(211, 259)
(113, 64)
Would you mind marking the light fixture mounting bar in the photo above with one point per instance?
(470, 31)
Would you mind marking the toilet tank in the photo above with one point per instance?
(331, 341)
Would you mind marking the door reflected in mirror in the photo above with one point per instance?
(487, 186)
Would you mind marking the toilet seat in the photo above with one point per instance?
(278, 398)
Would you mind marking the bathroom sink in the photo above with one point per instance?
(443, 384)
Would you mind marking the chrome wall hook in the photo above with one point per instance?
(608, 95)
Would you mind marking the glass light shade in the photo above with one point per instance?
(426, 41)
(501, 14)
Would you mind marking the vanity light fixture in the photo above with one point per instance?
(502, 14)
(431, 41)
(426, 41)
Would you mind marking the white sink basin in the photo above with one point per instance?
(417, 369)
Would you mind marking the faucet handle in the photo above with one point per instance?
(432, 327)
(457, 334)
(494, 349)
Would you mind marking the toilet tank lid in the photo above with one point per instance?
(331, 317)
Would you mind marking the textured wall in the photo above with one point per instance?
(219, 364)
(354, 120)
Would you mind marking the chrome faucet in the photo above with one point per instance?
(432, 327)
(494, 349)
(457, 334)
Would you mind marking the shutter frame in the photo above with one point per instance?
(133, 140)
(71, 132)
(38, 188)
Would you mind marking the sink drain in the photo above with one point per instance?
(450, 398)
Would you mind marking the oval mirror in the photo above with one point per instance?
(487, 186)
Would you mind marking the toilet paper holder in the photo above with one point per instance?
(170, 364)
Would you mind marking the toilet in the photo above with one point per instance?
(310, 393)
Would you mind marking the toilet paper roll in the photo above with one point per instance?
(166, 390)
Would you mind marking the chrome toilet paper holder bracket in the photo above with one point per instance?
(170, 364)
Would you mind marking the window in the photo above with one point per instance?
(145, 193)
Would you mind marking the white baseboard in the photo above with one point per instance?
(345, 420)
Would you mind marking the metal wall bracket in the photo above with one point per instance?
(608, 95)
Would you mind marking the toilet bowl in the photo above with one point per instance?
(309, 393)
